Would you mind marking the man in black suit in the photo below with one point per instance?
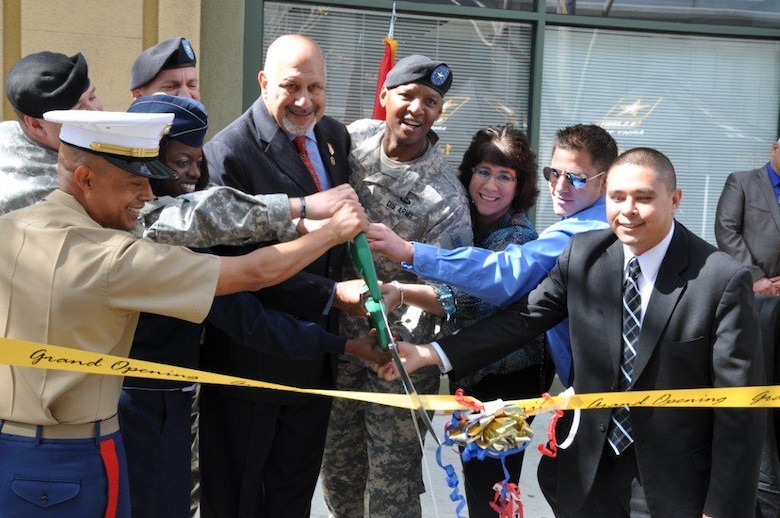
(697, 328)
(747, 227)
(747, 222)
(261, 450)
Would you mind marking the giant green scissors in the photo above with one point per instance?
(375, 305)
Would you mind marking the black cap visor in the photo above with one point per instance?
(147, 168)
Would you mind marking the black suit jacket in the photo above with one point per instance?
(747, 222)
(254, 155)
(700, 330)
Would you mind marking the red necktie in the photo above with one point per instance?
(300, 143)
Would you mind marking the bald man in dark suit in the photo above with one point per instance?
(261, 449)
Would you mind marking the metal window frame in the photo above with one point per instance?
(539, 19)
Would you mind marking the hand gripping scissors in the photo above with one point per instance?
(375, 305)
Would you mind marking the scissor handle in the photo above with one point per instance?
(374, 304)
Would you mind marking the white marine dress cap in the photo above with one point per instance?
(128, 140)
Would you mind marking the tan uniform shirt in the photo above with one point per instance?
(65, 280)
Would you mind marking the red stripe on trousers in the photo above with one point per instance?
(111, 463)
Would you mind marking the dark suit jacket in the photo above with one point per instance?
(747, 222)
(254, 155)
(700, 330)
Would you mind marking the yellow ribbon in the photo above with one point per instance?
(20, 353)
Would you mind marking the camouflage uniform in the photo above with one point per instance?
(217, 216)
(373, 449)
(28, 170)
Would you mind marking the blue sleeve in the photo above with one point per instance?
(245, 320)
(499, 277)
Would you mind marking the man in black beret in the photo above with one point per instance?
(28, 145)
(421, 70)
(403, 180)
(168, 67)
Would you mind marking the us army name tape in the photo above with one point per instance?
(20, 353)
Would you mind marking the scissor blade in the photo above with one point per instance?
(412, 393)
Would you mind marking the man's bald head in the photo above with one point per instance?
(293, 83)
(288, 46)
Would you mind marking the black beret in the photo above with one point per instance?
(168, 54)
(190, 119)
(420, 69)
(46, 81)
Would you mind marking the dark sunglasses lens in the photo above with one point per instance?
(576, 181)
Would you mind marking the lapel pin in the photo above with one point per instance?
(332, 152)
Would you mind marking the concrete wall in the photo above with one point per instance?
(221, 60)
(111, 34)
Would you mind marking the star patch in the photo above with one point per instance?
(439, 75)
(185, 44)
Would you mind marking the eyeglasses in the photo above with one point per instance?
(577, 180)
(483, 173)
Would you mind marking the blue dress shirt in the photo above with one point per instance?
(505, 276)
(775, 179)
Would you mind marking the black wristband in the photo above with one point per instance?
(303, 207)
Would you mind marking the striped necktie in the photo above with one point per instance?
(620, 435)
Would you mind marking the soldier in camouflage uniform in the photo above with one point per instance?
(28, 146)
(402, 180)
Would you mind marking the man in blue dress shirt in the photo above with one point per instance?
(577, 179)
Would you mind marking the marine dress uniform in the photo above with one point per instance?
(66, 280)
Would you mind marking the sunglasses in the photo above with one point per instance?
(483, 173)
(577, 180)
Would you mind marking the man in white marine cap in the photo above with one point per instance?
(70, 262)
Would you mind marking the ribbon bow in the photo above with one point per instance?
(494, 430)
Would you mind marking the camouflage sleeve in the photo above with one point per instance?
(217, 216)
(453, 229)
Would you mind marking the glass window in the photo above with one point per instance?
(506, 5)
(490, 63)
(750, 13)
(710, 104)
